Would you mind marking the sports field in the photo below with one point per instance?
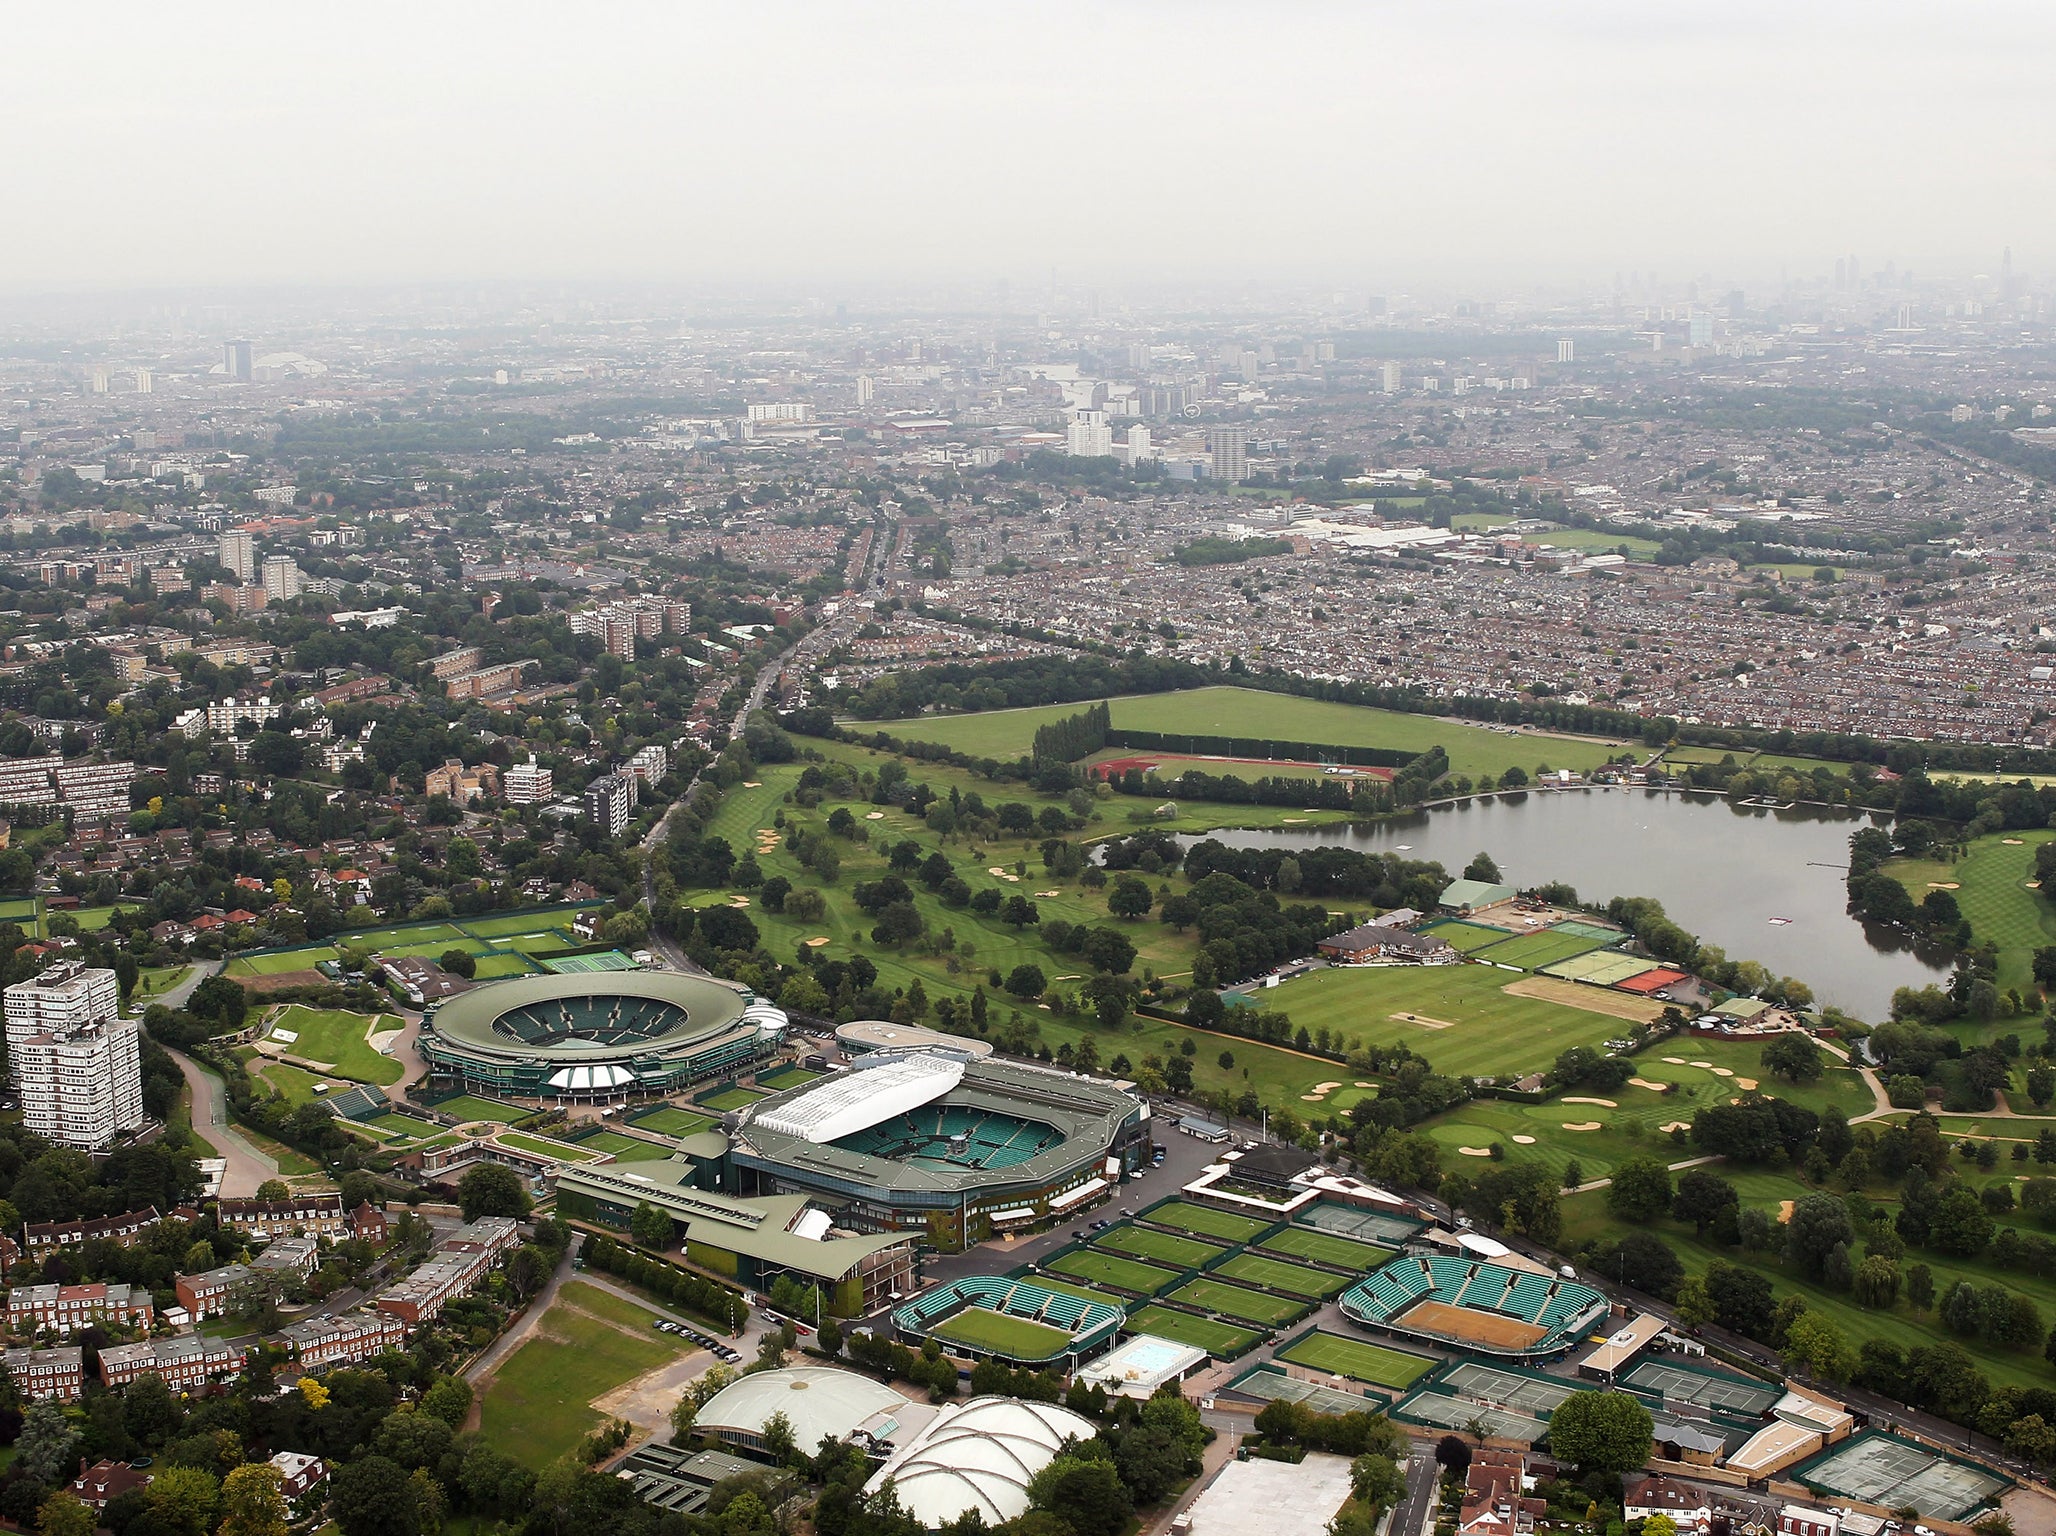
(467, 1106)
(1356, 1359)
(734, 1098)
(1277, 1275)
(791, 1077)
(338, 1038)
(1183, 1252)
(672, 1121)
(590, 1342)
(1205, 1220)
(1325, 1248)
(497, 967)
(1473, 750)
(628, 1149)
(1467, 938)
(579, 965)
(1532, 951)
(996, 1333)
(1234, 1301)
(279, 963)
(1095, 1267)
(1440, 1318)
(1992, 891)
(1458, 1016)
(1220, 1339)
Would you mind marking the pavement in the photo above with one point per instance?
(247, 1167)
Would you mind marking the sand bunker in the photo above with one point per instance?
(1944, 885)
(738, 901)
(1423, 1020)
(1643, 1082)
(874, 815)
(995, 870)
(1723, 1071)
(1526, 1141)
(1785, 1210)
(816, 942)
(1293, 821)
(1326, 1087)
(1475, 1151)
(1706, 1064)
(1674, 1061)
(2011, 842)
(1362, 1084)
(1312, 1098)
(1675, 1125)
(1745, 1082)
(1581, 1125)
(752, 784)
(1602, 1103)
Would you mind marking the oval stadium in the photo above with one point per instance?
(596, 1037)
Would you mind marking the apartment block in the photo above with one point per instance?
(65, 1307)
(44, 1238)
(215, 1292)
(76, 1066)
(187, 1364)
(319, 1215)
(318, 1342)
(608, 801)
(58, 1375)
(650, 763)
(528, 783)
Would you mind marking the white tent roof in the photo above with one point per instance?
(863, 1096)
(979, 1456)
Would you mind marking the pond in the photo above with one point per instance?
(1763, 884)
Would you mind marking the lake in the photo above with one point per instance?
(1722, 871)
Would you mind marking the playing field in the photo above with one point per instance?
(564, 1151)
(338, 1038)
(1601, 967)
(1600, 1000)
(995, 1333)
(791, 1077)
(497, 967)
(627, 1149)
(1467, 938)
(1277, 1275)
(672, 1121)
(1532, 951)
(1095, 1267)
(468, 1106)
(402, 1126)
(1086, 1292)
(1205, 1220)
(522, 924)
(1222, 1340)
(1992, 891)
(589, 1342)
(1233, 1301)
(1356, 1359)
(1184, 1252)
(1440, 1318)
(278, 963)
(734, 1098)
(1325, 1248)
(599, 960)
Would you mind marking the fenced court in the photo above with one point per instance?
(1272, 1385)
(279, 962)
(1532, 951)
(503, 963)
(1205, 1220)
(400, 1127)
(791, 1077)
(1097, 1267)
(1489, 1384)
(1599, 967)
(1365, 1226)
(1325, 1248)
(627, 1149)
(1184, 1252)
(1359, 1361)
(1440, 1410)
(733, 1098)
(1730, 1393)
(1222, 1340)
(1277, 1275)
(468, 1106)
(672, 1121)
(604, 960)
(997, 1334)
(1586, 930)
(1233, 1301)
(1462, 1325)
(1465, 938)
(1082, 1292)
(521, 924)
(1882, 1469)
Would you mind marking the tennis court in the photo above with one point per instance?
(1233, 1301)
(733, 1098)
(1466, 938)
(280, 962)
(401, 1127)
(1016, 1338)
(1358, 1360)
(502, 963)
(471, 1107)
(672, 1121)
(1272, 1385)
(1437, 1408)
(1586, 930)
(1366, 1226)
(627, 1149)
(1205, 1220)
(1325, 1248)
(1096, 1267)
(1883, 1469)
(1532, 951)
(1706, 1389)
(791, 1077)
(605, 960)
(1600, 967)
(522, 925)
(1164, 1247)
(1083, 1292)
(1223, 1340)
(1277, 1275)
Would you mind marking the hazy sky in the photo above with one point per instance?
(1358, 143)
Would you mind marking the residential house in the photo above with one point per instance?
(58, 1375)
(188, 1363)
(104, 1481)
(65, 1307)
(1690, 1509)
(320, 1215)
(301, 1473)
(47, 1237)
(1495, 1499)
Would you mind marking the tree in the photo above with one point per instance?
(373, 1496)
(1793, 1057)
(1482, 868)
(1641, 1189)
(1602, 1432)
(449, 1400)
(183, 1500)
(1087, 1496)
(253, 1501)
(1818, 1222)
(492, 1189)
(1376, 1481)
(1026, 981)
(459, 962)
(1701, 1198)
(65, 1514)
(1130, 897)
(650, 1227)
(1453, 1455)
(47, 1451)
(1815, 1345)
(274, 1189)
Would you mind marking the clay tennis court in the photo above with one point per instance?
(1614, 1005)
(1487, 1328)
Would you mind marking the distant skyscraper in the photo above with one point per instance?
(1088, 436)
(866, 390)
(237, 553)
(1702, 330)
(1388, 378)
(145, 384)
(1138, 444)
(1229, 447)
(281, 578)
(1566, 349)
(236, 360)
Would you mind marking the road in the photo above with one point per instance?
(247, 1167)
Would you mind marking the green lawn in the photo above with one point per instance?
(1073, 1288)
(1491, 1031)
(159, 979)
(1360, 1361)
(1165, 1247)
(1223, 1340)
(1098, 1268)
(403, 1126)
(537, 1407)
(1593, 541)
(280, 962)
(467, 1106)
(629, 1149)
(495, 967)
(791, 1077)
(1234, 1301)
(298, 1086)
(543, 1147)
(1250, 713)
(734, 1098)
(1205, 1219)
(1016, 1338)
(1277, 1275)
(1326, 1248)
(336, 1037)
(672, 1121)
(1992, 877)
(522, 924)
(1532, 951)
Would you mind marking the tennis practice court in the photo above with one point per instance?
(1326, 1248)
(1601, 968)
(605, 960)
(1357, 1359)
(1205, 1220)
(1491, 1384)
(1365, 1226)
(1096, 1267)
(1532, 951)
(1272, 1385)
(1277, 1275)
(1466, 938)
(1162, 1247)
(1222, 1340)
(1233, 1301)
(1883, 1469)
(1707, 1390)
(1437, 1408)
(1589, 931)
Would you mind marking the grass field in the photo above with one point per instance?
(629, 1149)
(1467, 938)
(589, 1342)
(1250, 713)
(545, 1148)
(734, 1098)
(279, 963)
(791, 1077)
(1490, 1031)
(1532, 951)
(1278, 1275)
(1593, 541)
(470, 1107)
(523, 924)
(1224, 1340)
(404, 1126)
(1359, 1361)
(498, 966)
(1992, 878)
(1205, 1220)
(1016, 1338)
(1142, 1243)
(1234, 1301)
(338, 1038)
(1073, 1288)
(297, 1085)
(1095, 1267)
(1326, 1248)
(672, 1121)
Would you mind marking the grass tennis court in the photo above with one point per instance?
(1205, 1220)
(1184, 1252)
(1326, 1248)
(376, 939)
(629, 1149)
(401, 1127)
(1467, 938)
(1083, 1292)
(564, 1151)
(1216, 1338)
(1599, 968)
(521, 924)
(1532, 951)
(279, 963)
(1017, 1338)
(575, 965)
(1097, 1267)
(1277, 1275)
(791, 1077)
(1233, 1301)
(501, 964)
(1357, 1360)
(672, 1121)
(733, 1098)
(470, 1107)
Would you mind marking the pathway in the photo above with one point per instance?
(247, 1166)
(480, 1372)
